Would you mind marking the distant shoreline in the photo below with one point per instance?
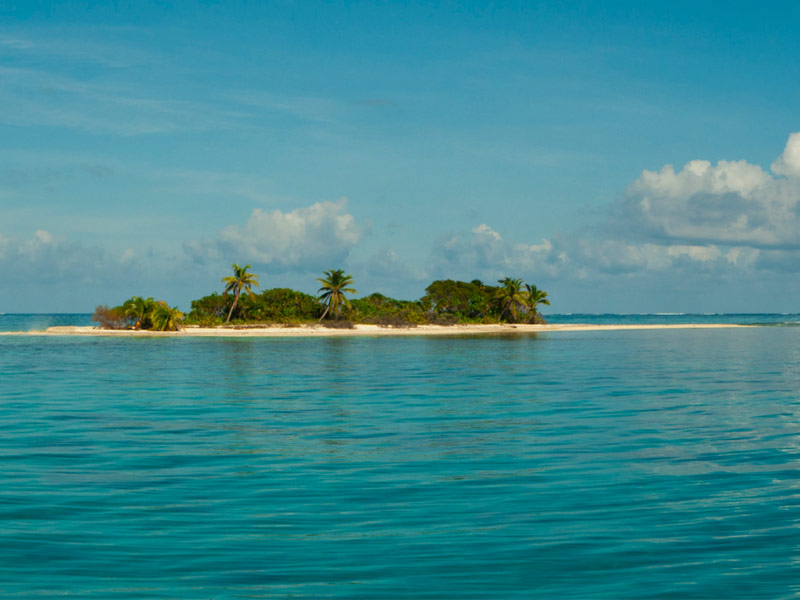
(361, 330)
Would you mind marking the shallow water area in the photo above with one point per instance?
(40, 322)
(619, 464)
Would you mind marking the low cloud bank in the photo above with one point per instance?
(305, 239)
(728, 227)
(727, 219)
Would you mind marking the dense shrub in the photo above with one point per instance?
(204, 320)
(111, 318)
(284, 305)
(278, 305)
(377, 308)
(139, 313)
(209, 310)
(446, 302)
(466, 302)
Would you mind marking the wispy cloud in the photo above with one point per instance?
(81, 47)
(76, 82)
(222, 184)
(34, 97)
(306, 108)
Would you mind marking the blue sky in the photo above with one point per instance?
(627, 157)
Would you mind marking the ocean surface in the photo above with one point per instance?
(27, 322)
(646, 464)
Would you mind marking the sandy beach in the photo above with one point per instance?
(358, 330)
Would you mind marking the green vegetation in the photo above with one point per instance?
(240, 280)
(446, 302)
(512, 297)
(165, 318)
(278, 305)
(459, 301)
(388, 312)
(334, 287)
(139, 313)
(535, 298)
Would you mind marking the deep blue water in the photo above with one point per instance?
(621, 464)
(791, 319)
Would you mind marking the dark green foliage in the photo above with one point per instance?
(278, 305)
(511, 297)
(166, 318)
(379, 309)
(240, 281)
(473, 301)
(284, 305)
(140, 311)
(333, 290)
(203, 320)
(446, 302)
(535, 298)
(214, 305)
(210, 310)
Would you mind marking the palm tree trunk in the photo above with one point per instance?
(503, 312)
(327, 308)
(230, 312)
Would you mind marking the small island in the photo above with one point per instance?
(446, 303)
(449, 307)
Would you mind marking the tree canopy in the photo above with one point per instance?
(333, 290)
(240, 280)
(446, 301)
(512, 296)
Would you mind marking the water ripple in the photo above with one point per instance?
(655, 464)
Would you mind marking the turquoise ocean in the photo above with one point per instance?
(647, 464)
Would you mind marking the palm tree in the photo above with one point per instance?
(139, 308)
(165, 318)
(333, 291)
(511, 296)
(535, 297)
(240, 280)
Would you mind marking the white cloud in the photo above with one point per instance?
(485, 253)
(592, 258)
(788, 163)
(732, 203)
(316, 237)
(729, 220)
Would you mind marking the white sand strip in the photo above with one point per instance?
(359, 330)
